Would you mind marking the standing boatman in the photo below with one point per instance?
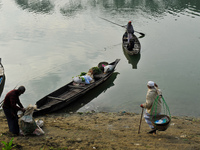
(129, 30)
(11, 106)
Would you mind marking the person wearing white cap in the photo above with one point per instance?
(152, 93)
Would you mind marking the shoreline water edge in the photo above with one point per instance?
(104, 131)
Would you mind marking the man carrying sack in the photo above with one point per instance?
(11, 106)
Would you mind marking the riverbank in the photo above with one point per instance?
(105, 131)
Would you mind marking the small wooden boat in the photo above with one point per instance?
(69, 93)
(133, 47)
(2, 77)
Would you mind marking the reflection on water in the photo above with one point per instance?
(72, 8)
(132, 59)
(148, 8)
(37, 6)
(81, 103)
(184, 6)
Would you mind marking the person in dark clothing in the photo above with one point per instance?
(11, 106)
(129, 30)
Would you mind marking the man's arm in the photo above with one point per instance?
(14, 101)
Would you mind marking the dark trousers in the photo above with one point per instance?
(12, 119)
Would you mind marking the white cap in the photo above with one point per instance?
(150, 83)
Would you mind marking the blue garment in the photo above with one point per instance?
(87, 79)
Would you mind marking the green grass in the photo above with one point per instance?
(9, 145)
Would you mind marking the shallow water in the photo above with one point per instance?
(44, 43)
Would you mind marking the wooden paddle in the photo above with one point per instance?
(121, 25)
(140, 120)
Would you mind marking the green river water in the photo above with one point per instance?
(44, 43)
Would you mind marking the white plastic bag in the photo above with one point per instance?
(39, 123)
(108, 68)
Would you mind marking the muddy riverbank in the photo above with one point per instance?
(105, 131)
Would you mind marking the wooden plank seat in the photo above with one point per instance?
(75, 86)
(56, 98)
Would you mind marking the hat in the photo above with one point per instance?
(129, 22)
(150, 83)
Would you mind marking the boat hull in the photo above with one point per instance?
(67, 94)
(137, 46)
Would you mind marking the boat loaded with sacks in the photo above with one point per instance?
(80, 85)
(133, 47)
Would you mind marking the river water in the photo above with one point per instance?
(44, 43)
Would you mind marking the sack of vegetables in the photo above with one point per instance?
(96, 70)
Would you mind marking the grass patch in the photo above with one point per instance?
(8, 145)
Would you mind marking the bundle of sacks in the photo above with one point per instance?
(108, 68)
(85, 79)
(27, 123)
(89, 77)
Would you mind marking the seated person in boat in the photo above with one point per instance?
(131, 44)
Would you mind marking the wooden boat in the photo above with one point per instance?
(135, 45)
(92, 94)
(69, 93)
(2, 77)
